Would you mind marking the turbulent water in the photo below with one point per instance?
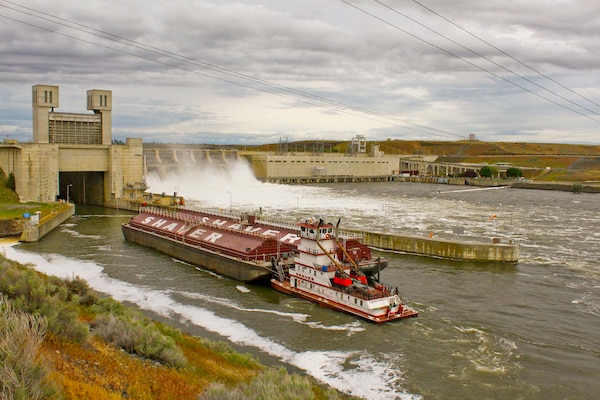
(494, 331)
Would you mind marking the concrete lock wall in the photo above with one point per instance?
(469, 251)
(34, 232)
(35, 168)
(81, 158)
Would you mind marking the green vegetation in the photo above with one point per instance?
(23, 373)
(272, 384)
(513, 172)
(59, 339)
(47, 297)
(488, 171)
(8, 195)
(129, 330)
(7, 188)
(14, 209)
(10, 182)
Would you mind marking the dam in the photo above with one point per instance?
(74, 158)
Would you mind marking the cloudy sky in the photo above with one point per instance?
(255, 71)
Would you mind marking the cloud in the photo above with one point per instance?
(246, 71)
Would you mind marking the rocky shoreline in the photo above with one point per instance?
(11, 227)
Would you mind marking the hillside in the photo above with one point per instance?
(560, 162)
(61, 340)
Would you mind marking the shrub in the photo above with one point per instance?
(514, 172)
(223, 349)
(23, 375)
(470, 173)
(487, 171)
(80, 291)
(271, 384)
(46, 296)
(136, 334)
(10, 182)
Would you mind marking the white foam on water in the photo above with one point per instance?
(350, 327)
(491, 354)
(74, 233)
(368, 377)
(232, 305)
(242, 289)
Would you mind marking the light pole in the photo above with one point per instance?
(229, 192)
(68, 186)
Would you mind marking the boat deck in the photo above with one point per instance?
(285, 287)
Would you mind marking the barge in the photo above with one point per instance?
(244, 248)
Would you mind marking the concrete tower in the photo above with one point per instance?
(44, 99)
(100, 101)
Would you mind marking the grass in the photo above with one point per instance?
(59, 339)
(11, 208)
(16, 210)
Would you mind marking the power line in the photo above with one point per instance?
(464, 60)
(486, 58)
(332, 104)
(506, 54)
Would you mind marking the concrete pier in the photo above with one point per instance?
(453, 250)
(34, 232)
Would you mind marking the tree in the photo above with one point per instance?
(10, 181)
(514, 172)
(487, 171)
(470, 174)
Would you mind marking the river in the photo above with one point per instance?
(495, 331)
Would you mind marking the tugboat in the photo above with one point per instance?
(318, 276)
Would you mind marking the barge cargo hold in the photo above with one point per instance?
(241, 255)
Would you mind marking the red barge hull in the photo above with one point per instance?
(208, 259)
(286, 288)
